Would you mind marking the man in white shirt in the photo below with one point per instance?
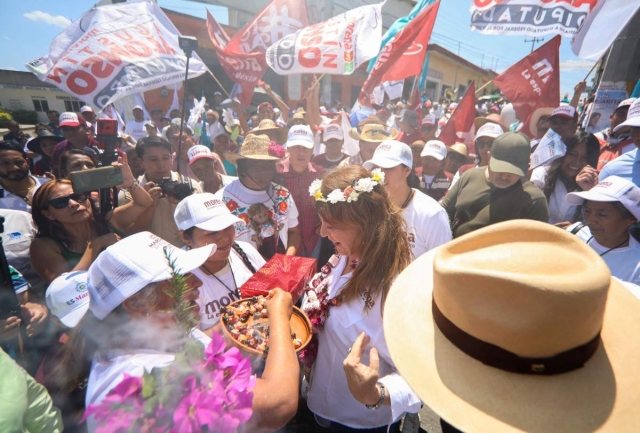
(427, 222)
(214, 127)
(16, 185)
(135, 127)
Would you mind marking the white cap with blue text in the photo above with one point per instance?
(389, 154)
(300, 135)
(67, 297)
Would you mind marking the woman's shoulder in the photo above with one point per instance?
(40, 243)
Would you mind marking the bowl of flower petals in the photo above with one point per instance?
(246, 324)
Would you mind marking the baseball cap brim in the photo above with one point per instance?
(577, 198)
(303, 143)
(498, 166)
(381, 162)
(71, 123)
(187, 261)
(219, 223)
(634, 122)
(195, 158)
(73, 318)
(334, 135)
(436, 155)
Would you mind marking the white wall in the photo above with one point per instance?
(21, 97)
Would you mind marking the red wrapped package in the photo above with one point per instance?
(290, 273)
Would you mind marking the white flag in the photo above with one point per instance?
(175, 103)
(336, 46)
(116, 50)
(602, 27)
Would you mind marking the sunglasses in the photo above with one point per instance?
(482, 144)
(62, 202)
(428, 128)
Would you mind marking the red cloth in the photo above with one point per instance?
(411, 138)
(392, 63)
(298, 185)
(289, 273)
(533, 82)
(609, 152)
(459, 127)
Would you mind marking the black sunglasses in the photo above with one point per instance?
(62, 202)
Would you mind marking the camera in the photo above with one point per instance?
(188, 44)
(175, 189)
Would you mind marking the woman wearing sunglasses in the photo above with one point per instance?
(71, 232)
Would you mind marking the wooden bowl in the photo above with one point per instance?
(300, 325)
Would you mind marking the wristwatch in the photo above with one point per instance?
(383, 396)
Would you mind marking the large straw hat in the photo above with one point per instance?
(373, 132)
(514, 290)
(493, 118)
(461, 149)
(254, 147)
(268, 125)
(535, 117)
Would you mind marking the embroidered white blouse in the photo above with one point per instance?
(329, 395)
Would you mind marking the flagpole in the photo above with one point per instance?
(219, 84)
(487, 83)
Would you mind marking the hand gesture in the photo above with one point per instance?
(362, 379)
(36, 315)
(587, 178)
(127, 176)
(279, 304)
(154, 191)
(580, 87)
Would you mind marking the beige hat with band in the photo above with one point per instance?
(519, 296)
(254, 147)
(373, 132)
(269, 126)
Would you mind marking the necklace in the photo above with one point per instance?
(610, 249)
(408, 200)
(233, 292)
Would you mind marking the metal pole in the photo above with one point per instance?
(184, 105)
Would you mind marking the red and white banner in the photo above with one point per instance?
(459, 128)
(404, 55)
(336, 46)
(531, 17)
(243, 57)
(533, 82)
(116, 50)
(602, 27)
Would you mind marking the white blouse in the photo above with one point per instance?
(559, 209)
(329, 395)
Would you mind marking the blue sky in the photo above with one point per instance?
(30, 26)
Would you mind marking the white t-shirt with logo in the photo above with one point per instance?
(215, 294)
(427, 224)
(240, 201)
(136, 129)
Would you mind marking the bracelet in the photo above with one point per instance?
(383, 396)
(133, 186)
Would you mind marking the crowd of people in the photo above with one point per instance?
(364, 201)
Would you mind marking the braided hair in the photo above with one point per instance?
(244, 257)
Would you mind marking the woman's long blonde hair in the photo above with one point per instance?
(384, 249)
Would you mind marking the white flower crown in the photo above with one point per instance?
(350, 193)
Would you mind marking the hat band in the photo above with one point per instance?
(494, 356)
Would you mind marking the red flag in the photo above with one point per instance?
(459, 127)
(533, 82)
(243, 57)
(403, 56)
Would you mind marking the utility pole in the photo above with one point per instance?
(533, 42)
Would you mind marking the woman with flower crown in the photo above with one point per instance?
(353, 384)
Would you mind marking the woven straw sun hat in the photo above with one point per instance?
(254, 147)
(514, 290)
(373, 132)
(268, 125)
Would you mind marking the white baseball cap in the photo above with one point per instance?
(197, 152)
(300, 135)
(489, 129)
(86, 109)
(68, 298)
(137, 107)
(429, 119)
(633, 116)
(205, 211)
(69, 119)
(389, 154)
(626, 103)
(129, 265)
(566, 111)
(333, 131)
(611, 189)
(435, 148)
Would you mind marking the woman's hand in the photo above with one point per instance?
(36, 315)
(363, 379)
(9, 328)
(279, 304)
(102, 242)
(587, 178)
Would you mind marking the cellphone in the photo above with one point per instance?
(96, 178)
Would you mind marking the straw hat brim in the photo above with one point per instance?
(478, 122)
(353, 133)
(545, 111)
(473, 397)
(282, 132)
(234, 157)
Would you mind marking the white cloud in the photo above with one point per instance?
(57, 20)
(576, 65)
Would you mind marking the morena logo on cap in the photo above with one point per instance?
(210, 204)
(384, 148)
(434, 146)
(565, 111)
